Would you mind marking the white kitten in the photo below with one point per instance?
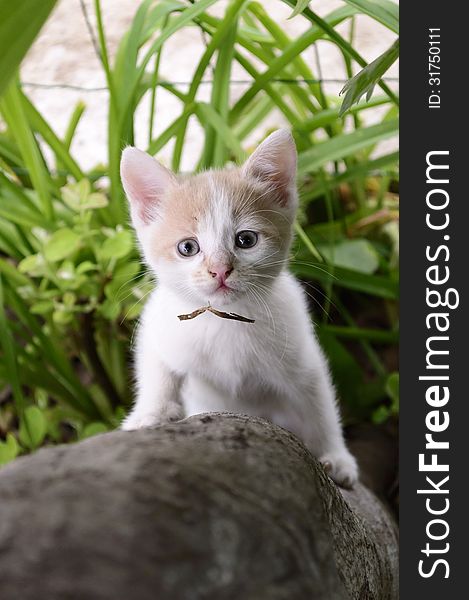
(222, 238)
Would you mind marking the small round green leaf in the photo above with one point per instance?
(33, 265)
(117, 246)
(9, 449)
(62, 243)
(95, 200)
(358, 255)
(42, 307)
(33, 427)
(93, 429)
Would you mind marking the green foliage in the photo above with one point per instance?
(364, 82)
(20, 22)
(9, 449)
(383, 11)
(71, 281)
(33, 427)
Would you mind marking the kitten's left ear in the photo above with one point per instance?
(145, 182)
(274, 163)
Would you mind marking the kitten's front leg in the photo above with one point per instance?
(313, 415)
(326, 439)
(158, 399)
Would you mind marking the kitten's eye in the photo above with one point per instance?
(246, 239)
(188, 248)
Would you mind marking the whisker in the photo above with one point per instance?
(254, 289)
(314, 266)
(134, 305)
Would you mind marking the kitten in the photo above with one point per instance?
(222, 238)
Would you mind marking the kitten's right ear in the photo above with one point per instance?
(145, 181)
(274, 163)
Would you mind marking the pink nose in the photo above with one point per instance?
(221, 272)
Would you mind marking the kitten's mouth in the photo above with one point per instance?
(222, 293)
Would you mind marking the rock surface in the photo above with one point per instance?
(221, 507)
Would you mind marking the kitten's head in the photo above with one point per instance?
(218, 235)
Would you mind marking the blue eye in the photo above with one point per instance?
(246, 239)
(188, 248)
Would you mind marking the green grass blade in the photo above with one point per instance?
(20, 214)
(289, 54)
(330, 115)
(160, 142)
(308, 242)
(234, 8)
(16, 191)
(299, 7)
(259, 111)
(366, 79)
(282, 40)
(73, 123)
(358, 171)
(20, 22)
(54, 356)
(214, 153)
(344, 145)
(273, 94)
(342, 44)
(10, 243)
(379, 336)
(12, 274)
(374, 285)
(15, 116)
(103, 53)
(125, 64)
(383, 11)
(40, 126)
(9, 354)
(206, 113)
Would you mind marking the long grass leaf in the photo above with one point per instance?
(20, 22)
(344, 145)
(366, 79)
(15, 116)
(342, 44)
(206, 113)
(9, 354)
(374, 285)
(383, 11)
(214, 153)
(289, 54)
(40, 126)
(358, 171)
(73, 123)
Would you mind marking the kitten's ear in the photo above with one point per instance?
(145, 181)
(274, 162)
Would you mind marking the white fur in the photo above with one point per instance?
(272, 368)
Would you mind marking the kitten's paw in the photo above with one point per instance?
(138, 421)
(342, 467)
(167, 413)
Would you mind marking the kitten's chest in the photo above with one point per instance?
(223, 351)
(226, 352)
(208, 343)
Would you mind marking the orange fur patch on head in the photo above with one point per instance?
(236, 224)
(255, 199)
(181, 209)
(186, 205)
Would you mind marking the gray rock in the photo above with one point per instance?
(219, 506)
